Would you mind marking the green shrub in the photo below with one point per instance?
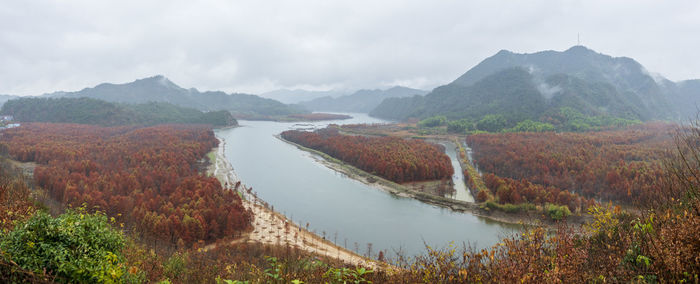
(460, 126)
(510, 208)
(491, 205)
(74, 247)
(491, 123)
(557, 212)
(434, 121)
(175, 266)
(576, 121)
(531, 126)
(347, 275)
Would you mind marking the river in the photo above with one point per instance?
(461, 190)
(346, 211)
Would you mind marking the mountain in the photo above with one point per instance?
(504, 92)
(687, 98)
(525, 86)
(99, 112)
(360, 101)
(297, 95)
(160, 89)
(4, 98)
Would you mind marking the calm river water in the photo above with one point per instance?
(349, 212)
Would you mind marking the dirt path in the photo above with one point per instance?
(270, 227)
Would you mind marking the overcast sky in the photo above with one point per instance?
(257, 46)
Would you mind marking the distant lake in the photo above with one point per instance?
(349, 212)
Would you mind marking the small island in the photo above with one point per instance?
(405, 162)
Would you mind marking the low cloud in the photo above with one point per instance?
(257, 46)
(548, 91)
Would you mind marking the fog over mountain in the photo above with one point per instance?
(256, 47)
(360, 101)
(299, 95)
(524, 86)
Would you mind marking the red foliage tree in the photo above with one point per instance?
(393, 158)
(146, 177)
(621, 165)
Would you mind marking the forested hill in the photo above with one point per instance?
(579, 78)
(360, 101)
(4, 98)
(513, 94)
(160, 89)
(98, 112)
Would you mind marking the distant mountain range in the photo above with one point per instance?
(298, 95)
(516, 86)
(527, 86)
(360, 101)
(160, 89)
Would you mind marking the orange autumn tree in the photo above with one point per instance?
(393, 158)
(620, 165)
(148, 178)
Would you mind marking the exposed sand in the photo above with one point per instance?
(271, 227)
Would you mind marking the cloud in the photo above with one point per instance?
(257, 46)
(548, 91)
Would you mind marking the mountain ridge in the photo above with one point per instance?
(159, 88)
(590, 82)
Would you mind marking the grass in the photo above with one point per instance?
(212, 156)
(510, 208)
(474, 179)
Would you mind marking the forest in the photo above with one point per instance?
(657, 244)
(98, 112)
(396, 159)
(624, 166)
(146, 178)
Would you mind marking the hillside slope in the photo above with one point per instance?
(92, 111)
(160, 89)
(521, 86)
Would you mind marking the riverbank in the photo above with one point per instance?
(475, 184)
(300, 117)
(520, 218)
(270, 227)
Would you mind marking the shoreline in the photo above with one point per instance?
(271, 227)
(454, 145)
(523, 218)
(305, 117)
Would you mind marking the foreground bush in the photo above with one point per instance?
(74, 247)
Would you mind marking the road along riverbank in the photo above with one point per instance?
(270, 227)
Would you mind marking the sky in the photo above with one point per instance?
(259, 46)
